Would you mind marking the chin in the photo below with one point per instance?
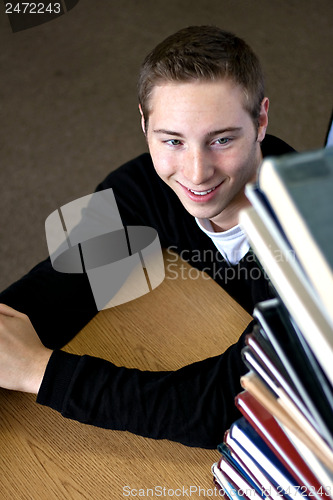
(202, 212)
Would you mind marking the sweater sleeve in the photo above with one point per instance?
(193, 405)
(59, 305)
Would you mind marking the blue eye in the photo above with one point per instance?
(174, 142)
(222, 141)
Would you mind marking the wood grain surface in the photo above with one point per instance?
(44, 456)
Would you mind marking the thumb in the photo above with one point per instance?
(9, 311)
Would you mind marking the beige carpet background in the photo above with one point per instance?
(68, 96)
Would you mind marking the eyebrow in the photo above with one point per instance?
(210, 134)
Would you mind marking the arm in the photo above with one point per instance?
(193, 405)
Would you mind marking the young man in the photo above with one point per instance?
(204, 115)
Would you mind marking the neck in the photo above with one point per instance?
(229, 218)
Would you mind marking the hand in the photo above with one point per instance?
(23, 358)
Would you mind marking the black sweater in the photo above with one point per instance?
(193, 405)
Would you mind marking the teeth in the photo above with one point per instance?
(201, 193)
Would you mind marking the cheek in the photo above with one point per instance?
(242, 165)
(163, 163)
(231, 163)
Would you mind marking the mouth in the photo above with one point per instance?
(201, 196)
(201, 193)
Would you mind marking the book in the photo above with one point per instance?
(237, 480)
(329, 134)
(293, 289)
(224, 485)
(298, 372)
(272, 380)
(274, 436)
(324, 475)
(284, 441)
(232, 478)
(286, 413)
(299, 188)
(284, 248)
(267, 487)
(258, 451)
(229, 456)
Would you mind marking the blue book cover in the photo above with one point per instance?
(225, 452)
(258, 451)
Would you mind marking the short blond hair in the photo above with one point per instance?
(205, 53)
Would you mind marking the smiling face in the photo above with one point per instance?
(205, 146)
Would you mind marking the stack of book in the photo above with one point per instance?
(282, 446)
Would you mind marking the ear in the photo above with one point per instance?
(143, 123)
(263, 119)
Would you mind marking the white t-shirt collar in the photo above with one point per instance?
(232, 244)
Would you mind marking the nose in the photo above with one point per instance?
(197, 166)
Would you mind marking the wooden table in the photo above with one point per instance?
(44, 456)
